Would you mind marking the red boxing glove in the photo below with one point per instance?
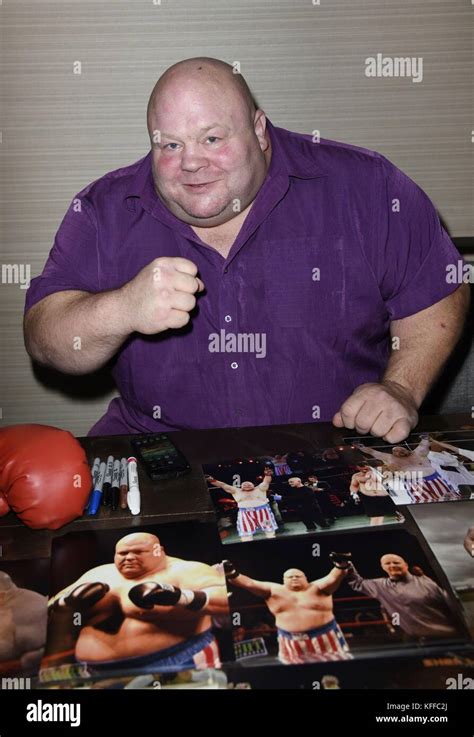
(44, 475)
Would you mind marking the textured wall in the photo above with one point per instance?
(305, 64)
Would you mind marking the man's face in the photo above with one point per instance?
(294, 482)
(209, 163)
(394, 566)
(247, 486)
(135, 559)
(295, 580)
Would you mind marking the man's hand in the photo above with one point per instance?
(82, 598)
(385, 410)
(161, 295)
(230, 570)
(343, 561)
(151, 593)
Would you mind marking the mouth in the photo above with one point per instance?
(200, 187)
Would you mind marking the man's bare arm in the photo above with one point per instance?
(389, 409)
(222, 485)
(379, 454)
(259, 588)
(330, 583)
(266, 481)
(75, 332)
(427, 338)
(78, 332)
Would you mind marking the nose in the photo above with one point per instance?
(192, 159)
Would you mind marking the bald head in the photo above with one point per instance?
(201, 72)
(394, 566)
(139, 554)
(295, 580)
(210, 149)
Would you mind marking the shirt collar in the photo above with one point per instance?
(292, 155)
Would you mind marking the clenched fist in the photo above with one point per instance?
(386, 410)
(161, 295)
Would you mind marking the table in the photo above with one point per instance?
(187, 497)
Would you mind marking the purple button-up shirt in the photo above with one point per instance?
(338, 243)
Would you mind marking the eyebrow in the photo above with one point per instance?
(203, 130)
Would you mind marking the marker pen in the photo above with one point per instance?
(108, 481)
(97, 493)
(123, 484)
(114, 492)
(94, 472)
(95, 469)
(133, 496)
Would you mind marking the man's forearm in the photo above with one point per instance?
(425, 341)
(76, 332)
(330, 583)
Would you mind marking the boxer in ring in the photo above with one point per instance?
(146, 611)
(303, 611)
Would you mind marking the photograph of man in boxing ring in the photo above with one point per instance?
(329, 598)
(254, 498)
(425, 468)
(136, 601)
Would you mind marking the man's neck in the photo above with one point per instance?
(221, 237)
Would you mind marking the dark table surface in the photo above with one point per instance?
(187, 497)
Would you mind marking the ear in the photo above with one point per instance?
(260, 127)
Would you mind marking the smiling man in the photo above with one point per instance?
(416, 604)
(232, 224)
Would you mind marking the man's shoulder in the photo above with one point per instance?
(117, 182)
(330, 156)
(182, 565)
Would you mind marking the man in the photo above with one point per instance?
(254, 512)
(415, 603)
(375, 498)
(241, 274)
(145, 611)
(305, 500)
(303, 611)
(410, 476)
(327, 502)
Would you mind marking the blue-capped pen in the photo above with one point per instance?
(97, 493)
(94, 472)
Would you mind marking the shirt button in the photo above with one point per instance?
(228, 318)
(234, 365)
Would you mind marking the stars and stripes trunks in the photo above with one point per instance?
(432, 489)
(316, 645)
(200, 651)
(252, 519)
